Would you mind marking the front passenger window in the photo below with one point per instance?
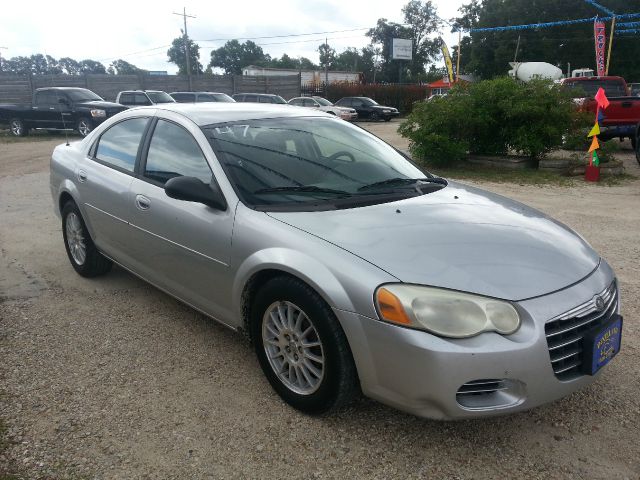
(173, 152)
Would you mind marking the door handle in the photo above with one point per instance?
(82, 175)
(142, 202)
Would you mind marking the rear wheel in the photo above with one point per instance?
(374, 116)
(83, 254)
(84, 126)
(18, 128)
(301, 347)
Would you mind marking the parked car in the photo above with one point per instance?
(58, 108)
(259, 98)
(368, 108)
(349, 267)
(623, 113)
(197, 97)
(324, 105)
(138, 98)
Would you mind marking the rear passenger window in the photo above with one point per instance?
(173, 152)
(141, 99)
(118, 146)
(126, 98)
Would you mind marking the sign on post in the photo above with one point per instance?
(401, 49)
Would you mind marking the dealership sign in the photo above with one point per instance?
(401, 49)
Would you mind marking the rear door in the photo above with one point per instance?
(182, 247)
(46, 111)
(104, 180)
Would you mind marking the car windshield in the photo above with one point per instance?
(279, 99)
(82, 95)
(328, 163)
(369, 101)
(215, 97)
(160, 97)
(612, 88)
(323, 101)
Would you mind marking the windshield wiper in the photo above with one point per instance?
(398, 181)
(301, 188)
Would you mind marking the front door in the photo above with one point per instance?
(182, 247)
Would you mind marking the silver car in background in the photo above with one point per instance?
(324, 105)
(351, 269)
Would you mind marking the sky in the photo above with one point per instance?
(141, 32)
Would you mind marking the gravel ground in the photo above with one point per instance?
(110, 378)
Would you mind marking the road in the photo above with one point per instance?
(110, 378)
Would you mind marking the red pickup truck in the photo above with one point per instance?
(622, 116)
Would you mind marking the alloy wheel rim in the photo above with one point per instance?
(83, 128)
(75, 239)
(293, 347)
(16, 128)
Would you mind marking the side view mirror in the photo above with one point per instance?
(192, 189)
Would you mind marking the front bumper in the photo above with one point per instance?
(349, 116)
(422, 374)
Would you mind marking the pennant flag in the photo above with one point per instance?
(601, 98)
(594, 131)
(595, 160)
(594, 145)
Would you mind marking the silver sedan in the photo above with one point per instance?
(350, 268)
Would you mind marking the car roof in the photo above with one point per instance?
(61, 88)
(210, 113)
(261, 94)
(216, 93)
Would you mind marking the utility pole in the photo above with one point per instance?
(1, 48)
(186, 43)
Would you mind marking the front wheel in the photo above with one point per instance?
(84, 127)
(83, 254)
(18, 128)
(301, 347)
(374, 117)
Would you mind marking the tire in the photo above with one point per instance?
(18, 127)
(637, 149)
(374, 117)
(84, 127)
(83, 254)
(310, 386)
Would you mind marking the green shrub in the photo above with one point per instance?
(492, 117)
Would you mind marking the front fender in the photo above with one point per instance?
(298, 264)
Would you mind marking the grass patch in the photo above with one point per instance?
(521, 177)
(36, 136)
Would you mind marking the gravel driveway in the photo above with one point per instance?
(110, 378)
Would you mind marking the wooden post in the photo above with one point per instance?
(613, 27)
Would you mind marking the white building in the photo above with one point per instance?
(307, 76)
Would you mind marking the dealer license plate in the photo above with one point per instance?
(601, 344)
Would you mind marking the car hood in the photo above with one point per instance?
(461, 238)
(102, 104)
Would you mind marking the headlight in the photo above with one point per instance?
(445, 312)
(98, 113)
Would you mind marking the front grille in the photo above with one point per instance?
(566, 332)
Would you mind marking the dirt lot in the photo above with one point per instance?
(110, 378)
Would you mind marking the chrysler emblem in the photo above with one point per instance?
(598, 302)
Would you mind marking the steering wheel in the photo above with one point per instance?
(342, 153)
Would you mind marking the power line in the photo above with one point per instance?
(283, 36)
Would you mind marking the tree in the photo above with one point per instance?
(122, 67)
(488, 54)
(421, 20)
(91, 66)
(178, 56)
(69, 66)
(233, 56)
(327, 56)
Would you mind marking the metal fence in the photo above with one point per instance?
(19, 88)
